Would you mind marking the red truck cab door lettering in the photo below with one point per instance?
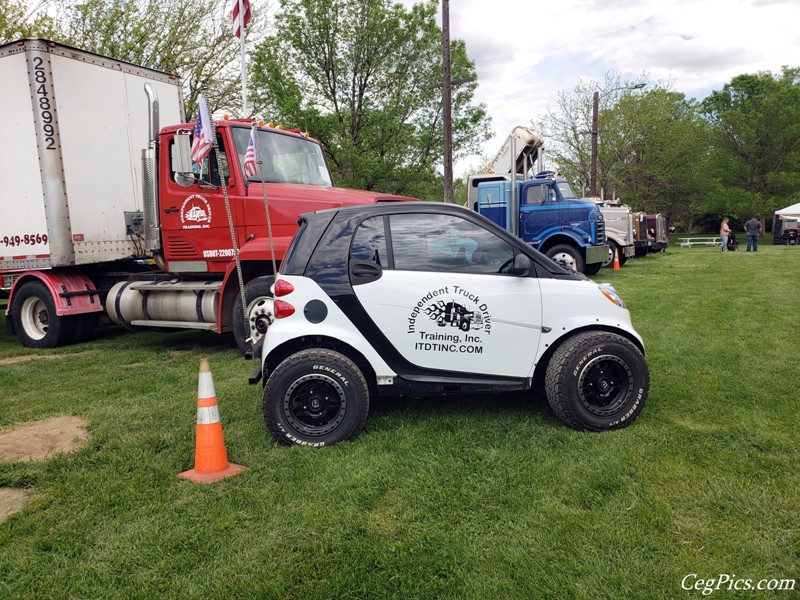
(194, 219)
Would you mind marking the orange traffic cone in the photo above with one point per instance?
(616, 260)
(210, 458)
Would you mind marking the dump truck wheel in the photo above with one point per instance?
(568, 256)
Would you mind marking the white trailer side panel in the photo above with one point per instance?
(23, 226)
(104, 126)
(75, 125)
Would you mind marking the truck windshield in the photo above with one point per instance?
(566, 190)
(283, 158)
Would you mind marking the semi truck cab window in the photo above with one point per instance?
(536, 194)
(208, 170)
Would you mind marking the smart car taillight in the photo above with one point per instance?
(283, 309)
(282, 288)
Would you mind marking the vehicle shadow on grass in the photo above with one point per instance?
(522, 405)
(163, 338)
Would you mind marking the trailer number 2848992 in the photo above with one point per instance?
(45, 108)
(29, 239)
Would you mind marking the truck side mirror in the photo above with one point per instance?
(184, 175)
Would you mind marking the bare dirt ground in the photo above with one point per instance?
(37, 441)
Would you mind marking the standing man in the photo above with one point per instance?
(753, 229)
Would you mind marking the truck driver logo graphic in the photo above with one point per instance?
(454, 315)
(196, 213)
(457, 321)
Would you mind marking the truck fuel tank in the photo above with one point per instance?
(180, 304)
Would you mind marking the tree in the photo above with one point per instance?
(756, 146)
(651, 151)
(191, 38)
(567, 129)
(364, 76)
(18, 20)
(655, 148)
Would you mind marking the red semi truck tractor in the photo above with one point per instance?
(104, 216)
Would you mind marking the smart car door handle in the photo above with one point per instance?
(362, 271)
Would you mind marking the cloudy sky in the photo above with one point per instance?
(527, 51)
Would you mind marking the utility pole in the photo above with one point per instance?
(595, 131)
(447, 103)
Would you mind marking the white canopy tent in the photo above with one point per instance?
(794, 209)
(786, 226)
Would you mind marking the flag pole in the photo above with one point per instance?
(245, 111)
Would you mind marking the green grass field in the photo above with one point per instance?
(478, 497)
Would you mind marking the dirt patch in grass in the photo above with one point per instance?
(18, 359)
(11, 501)
(37, 441)
(42, 439)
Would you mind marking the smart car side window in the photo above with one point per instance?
(425, 242)
(369, 242)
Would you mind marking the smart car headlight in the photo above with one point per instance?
(609, 292)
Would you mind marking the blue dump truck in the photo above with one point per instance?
(541, 208)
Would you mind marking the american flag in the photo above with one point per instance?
(201, 145)
(250, 158)
(240, 24)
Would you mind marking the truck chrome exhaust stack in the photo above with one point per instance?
(152, 223)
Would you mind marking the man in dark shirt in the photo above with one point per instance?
(753, 230)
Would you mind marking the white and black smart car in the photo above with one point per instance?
(430, 299)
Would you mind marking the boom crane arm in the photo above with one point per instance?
(527, 148)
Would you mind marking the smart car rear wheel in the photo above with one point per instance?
(316, 398)
(597, 381)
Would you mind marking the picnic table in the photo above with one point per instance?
(688, 242)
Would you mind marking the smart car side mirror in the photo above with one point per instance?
(522, 265)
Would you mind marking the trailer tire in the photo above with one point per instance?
(258, 299)
(597, 381)
(316, 398)
(568, 256)
(35, 320)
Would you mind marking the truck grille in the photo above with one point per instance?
(601, 232)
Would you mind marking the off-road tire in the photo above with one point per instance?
(565, 252)
(316, 398)
(258, 298)
(597, 381)
(35, 320)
